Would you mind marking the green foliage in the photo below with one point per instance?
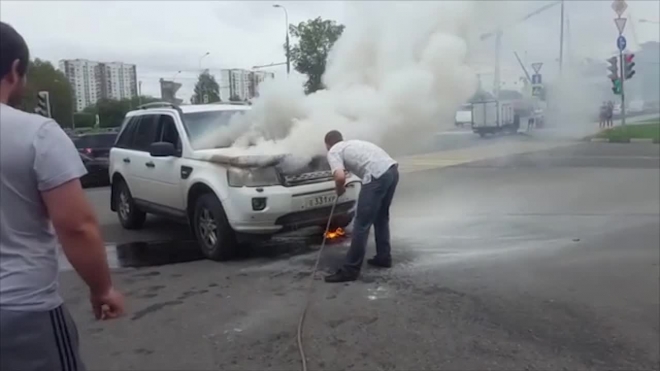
(111, 112)
(206, 85)
(623, 134)
(315, 38)
(42, 76)
(84, 120)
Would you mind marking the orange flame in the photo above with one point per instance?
(334, 234)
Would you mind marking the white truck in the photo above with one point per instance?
(493, 117)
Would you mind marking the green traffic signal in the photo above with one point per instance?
(616, 89)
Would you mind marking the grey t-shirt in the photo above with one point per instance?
(35, 156)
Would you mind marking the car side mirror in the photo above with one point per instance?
(162, 149)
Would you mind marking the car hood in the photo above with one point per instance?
(237, 157)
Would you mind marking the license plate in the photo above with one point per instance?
(319, 201)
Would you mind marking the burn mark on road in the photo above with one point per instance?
(191, 293)
(154, 308)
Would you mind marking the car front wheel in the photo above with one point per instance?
(130, 217)
(215, 236)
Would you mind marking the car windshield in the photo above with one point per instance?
(200, 124)
(105, 140)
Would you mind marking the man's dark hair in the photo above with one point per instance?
(333, 137)
(12, 47)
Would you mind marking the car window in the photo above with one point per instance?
(145, 133)
(167, 131)
(126, 135)
(105, 140)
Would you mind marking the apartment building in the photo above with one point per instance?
(241, 84)
(92, 80)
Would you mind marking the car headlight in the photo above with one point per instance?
(259, 177)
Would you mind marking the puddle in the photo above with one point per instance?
(146, 254)
(155, 253)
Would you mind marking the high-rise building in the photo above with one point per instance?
(92, 81)
(242, 85)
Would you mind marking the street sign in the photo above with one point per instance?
(621, 42)
(537, 67)
(620, 24)
(536, 90)
(536, 79)
(619, 6)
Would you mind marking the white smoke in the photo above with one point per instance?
(395, 76)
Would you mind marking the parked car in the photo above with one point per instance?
(95, 144)
(463, 116)
(160, 166)
(94, 149)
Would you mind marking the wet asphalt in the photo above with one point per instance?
(540, 261)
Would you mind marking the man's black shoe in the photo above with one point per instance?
(380, 263)
(341, 276)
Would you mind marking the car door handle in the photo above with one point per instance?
(127, 160)
(150, 164)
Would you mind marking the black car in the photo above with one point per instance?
(94, 150)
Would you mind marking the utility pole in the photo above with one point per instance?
(561, 39)
(286, 28)
(140, 93)
(619, 6)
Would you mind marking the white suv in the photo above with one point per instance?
(224, 196)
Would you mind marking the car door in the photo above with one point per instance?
(165, 174)
(122, 152)
(141, 166)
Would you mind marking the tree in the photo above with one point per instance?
(206, 85)
(111, 112)
(309, 54)
(42, 76)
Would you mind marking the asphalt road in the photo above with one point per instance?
(543, 260)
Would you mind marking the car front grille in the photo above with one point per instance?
(307, 178)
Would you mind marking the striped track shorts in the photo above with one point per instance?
(39, 341)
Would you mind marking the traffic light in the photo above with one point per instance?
(616, 89)
(614, 74)
(628, 65)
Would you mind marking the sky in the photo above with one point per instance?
(164, 37)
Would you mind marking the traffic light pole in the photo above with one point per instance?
(623, 92)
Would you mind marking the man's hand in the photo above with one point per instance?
(340, 190)
(107, 305)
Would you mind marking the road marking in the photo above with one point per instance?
(442, 159)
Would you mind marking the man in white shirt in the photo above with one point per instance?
(380, 176)
(42, 202)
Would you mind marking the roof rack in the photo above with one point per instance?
(158, 105)
(235, 103)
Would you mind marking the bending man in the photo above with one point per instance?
(380, 175)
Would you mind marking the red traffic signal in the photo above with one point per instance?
(628, 66)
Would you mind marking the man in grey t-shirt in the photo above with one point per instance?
(42, 201)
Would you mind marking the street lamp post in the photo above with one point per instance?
(288, 48)
(200, 71)
(175, 75)
(200, 61)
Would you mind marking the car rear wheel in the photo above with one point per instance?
(215, 236)
(130, 216)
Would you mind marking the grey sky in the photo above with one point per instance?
(162, 37)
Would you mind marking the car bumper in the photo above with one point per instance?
(286, 207)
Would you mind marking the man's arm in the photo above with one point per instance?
(338, 171)
(58, 167)
(78, 232)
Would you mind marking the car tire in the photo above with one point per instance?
(129, 215)
(215, 236)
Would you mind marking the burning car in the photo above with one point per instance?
(224, 194)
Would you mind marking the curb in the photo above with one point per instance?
(631, 140)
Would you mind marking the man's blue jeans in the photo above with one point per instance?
(373, 208)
